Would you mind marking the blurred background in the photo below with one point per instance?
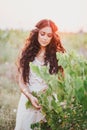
(17, 18)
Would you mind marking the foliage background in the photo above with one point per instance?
(11, 42)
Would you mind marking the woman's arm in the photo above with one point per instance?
(25, 90)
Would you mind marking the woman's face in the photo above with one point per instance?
(44, 36)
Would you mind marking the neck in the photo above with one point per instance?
(41, 54)
(42, 49)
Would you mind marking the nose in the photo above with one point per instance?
(45, 37)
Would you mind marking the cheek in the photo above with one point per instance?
(39, 38)
(49, 40)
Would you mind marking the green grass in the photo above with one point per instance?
(75, 41)
(9, 96)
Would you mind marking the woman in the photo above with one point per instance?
(40, 49)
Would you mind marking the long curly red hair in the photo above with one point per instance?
(32, 47)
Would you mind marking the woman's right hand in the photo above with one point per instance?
(34, 102)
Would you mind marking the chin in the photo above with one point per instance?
(44, 44)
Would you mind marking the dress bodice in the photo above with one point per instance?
(36, 82)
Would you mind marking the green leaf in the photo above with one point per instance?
(28, 104)
(85, 84)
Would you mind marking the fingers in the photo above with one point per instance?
(44, 89)
(36, 106)
(35, 103)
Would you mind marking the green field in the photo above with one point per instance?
(11, 42)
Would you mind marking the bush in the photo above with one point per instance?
(65, 102)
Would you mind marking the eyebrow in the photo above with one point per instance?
(47, 33)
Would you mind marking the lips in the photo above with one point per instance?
(44, 42)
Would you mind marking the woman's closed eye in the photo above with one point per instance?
(42, 33)
(48, 34)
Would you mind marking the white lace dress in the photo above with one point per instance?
(25, 117)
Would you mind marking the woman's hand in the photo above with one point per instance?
(34, 102)
(44, 89)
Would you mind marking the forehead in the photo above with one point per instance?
(46, 29)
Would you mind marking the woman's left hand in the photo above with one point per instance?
(44, 89)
